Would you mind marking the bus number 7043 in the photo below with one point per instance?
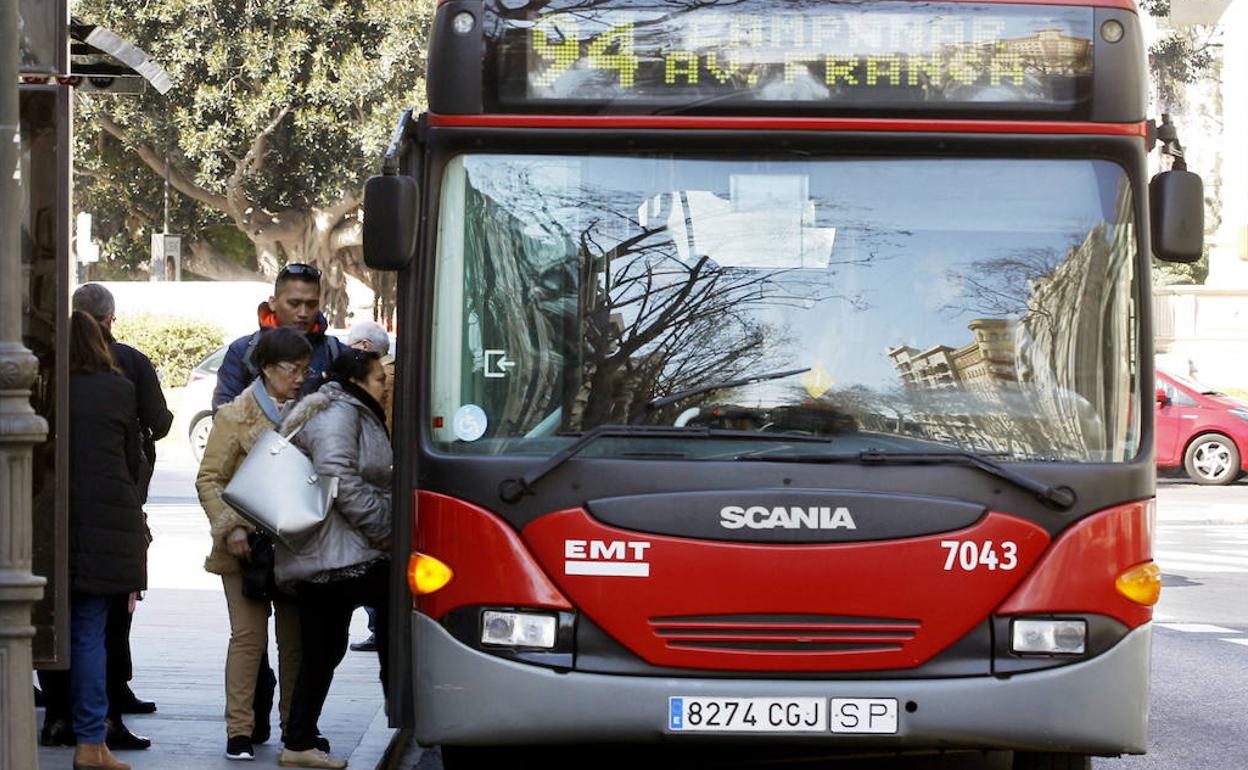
(970, 555)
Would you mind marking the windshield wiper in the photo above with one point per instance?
(1061, 498)
(510, 490)
(680, 395)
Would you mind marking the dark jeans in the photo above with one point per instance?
(120, 669)
(88, 686)
(325, 616)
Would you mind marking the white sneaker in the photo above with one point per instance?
(310, 758)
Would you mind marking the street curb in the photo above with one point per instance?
(377, 746)
(400, 744)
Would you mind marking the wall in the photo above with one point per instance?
(1202, 332)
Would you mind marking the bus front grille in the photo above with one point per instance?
(822, 634)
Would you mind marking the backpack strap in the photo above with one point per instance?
(251, 351)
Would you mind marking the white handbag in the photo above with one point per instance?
(277, 489)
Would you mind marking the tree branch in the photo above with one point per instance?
(180, 180)
(348, 203)
(253, 161)
(346, 234)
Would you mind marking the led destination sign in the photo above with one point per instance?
(768, 53)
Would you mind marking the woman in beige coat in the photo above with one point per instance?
(282, 357)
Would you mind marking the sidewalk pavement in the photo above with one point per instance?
(179, 641)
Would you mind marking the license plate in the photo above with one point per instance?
(747, 715)
(872, 716)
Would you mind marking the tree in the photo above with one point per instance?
(1179, 58)
(280, 111)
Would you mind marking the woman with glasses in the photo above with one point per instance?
(342, 427)
(281, 356)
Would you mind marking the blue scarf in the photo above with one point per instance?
(266, 402)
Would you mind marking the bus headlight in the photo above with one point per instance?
(518, 629)
(1049, 637)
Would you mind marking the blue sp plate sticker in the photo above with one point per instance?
(676, 713)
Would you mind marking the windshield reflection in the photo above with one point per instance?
(975, 304)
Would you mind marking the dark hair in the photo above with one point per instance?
(296, 271)
(280, 345)
(352, 364)
(88, 352)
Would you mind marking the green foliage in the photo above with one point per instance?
(1180, 57)
(327, 79)
(1178, 274)
(175, 345)
(231, 243)
(125, 198)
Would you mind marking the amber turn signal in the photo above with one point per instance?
(425, 574)
(1141, 583)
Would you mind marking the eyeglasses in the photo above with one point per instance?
(299, 268)
(291, 370)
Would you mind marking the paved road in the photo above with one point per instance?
(1199, 717)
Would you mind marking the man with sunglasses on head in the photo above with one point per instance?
(296, 303)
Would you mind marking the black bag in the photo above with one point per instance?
(259, 583)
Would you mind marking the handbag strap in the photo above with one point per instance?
(286, 440)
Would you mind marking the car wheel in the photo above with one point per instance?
(1039, 760)
(1212, 459)
(198, 435)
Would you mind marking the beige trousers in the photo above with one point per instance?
(249, 638)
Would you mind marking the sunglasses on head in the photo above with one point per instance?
(298, 268)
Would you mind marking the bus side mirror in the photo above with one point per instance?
(1177, 201)
(391, 208)
(1161, 398)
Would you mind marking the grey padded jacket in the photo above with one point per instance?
(345, 440)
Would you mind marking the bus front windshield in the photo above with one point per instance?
(984, 305)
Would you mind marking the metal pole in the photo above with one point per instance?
(166, 230)
(20, 429)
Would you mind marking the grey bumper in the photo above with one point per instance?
(466, 697)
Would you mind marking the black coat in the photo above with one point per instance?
(107, 533)
(154, 416)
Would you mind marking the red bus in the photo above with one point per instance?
(778, 372)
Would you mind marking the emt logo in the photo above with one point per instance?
(625, 558)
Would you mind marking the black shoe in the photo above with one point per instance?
(239, 749)
(57, 732)
(368, 645)
(119, 737)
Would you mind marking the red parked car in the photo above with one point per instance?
(1200, 430)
